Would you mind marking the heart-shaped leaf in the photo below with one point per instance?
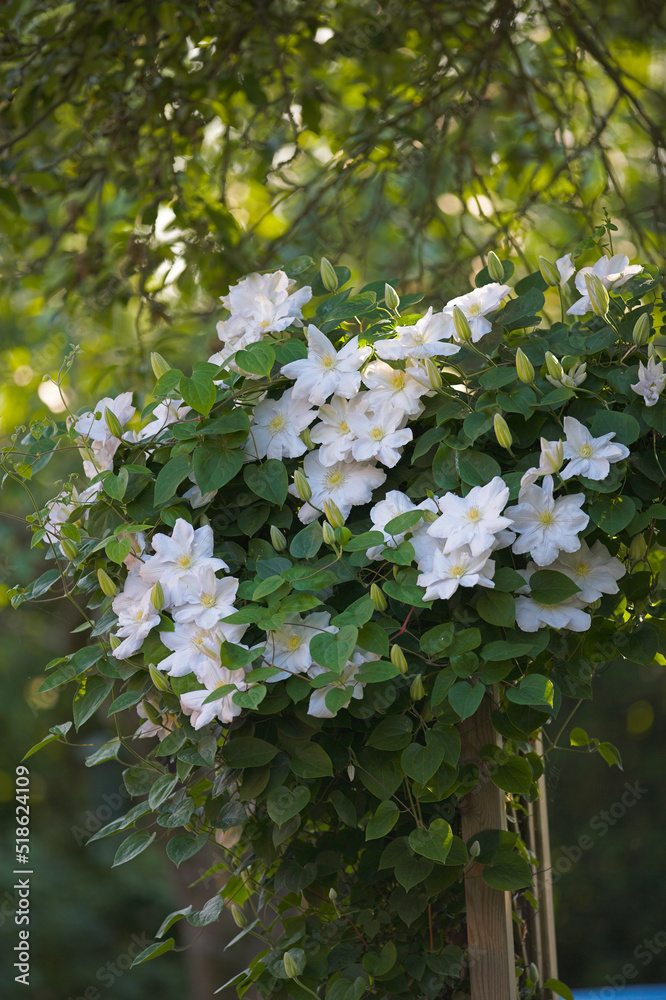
(435, 842)
(283, 803)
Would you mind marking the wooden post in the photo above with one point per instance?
(547, 961)
(489, 923)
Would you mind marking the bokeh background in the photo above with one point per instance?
(150, 153)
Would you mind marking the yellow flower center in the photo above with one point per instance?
(545, 517)
(184, 560)
(294, 643)
(344, 427)
(473, 514)
(208, 600)
(377, 433)
(138, 616)
(265, 323)
(277, 423)
(419, 338)
(583, 569)
(398, 380)
(585, 451)
(457, 571)
(334, 479)
(474, 309)
(328, 361)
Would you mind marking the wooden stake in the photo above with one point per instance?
(489, 923)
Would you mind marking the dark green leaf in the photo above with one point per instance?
(269, 481)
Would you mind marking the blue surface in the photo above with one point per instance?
(622, 993)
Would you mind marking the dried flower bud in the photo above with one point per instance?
(597, 294)
(524, 367)
(502, 432)
(495, 267)
(641, 333)
(377, 597)
(417, 690)
(553, 366)
(238, 916)
(159, 365)
(333, 514)
(157, 596)
(278, 541)
(106, 583)
(391, 297)
(549, 272)
(303, 490)
(113, 423)
(434, 376)
(398, 659)
(329, 278)
(461, 324)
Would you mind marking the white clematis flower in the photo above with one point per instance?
(333, 432)
(326, 372)
(163, 415)
(473, 520)
(458, 568)
(571, 379)
(565, 266)
(195, 497)
(426, 339)
(179, 554)
(594, 570)
(391, 506)
(379, 435)
(261, 304)
(613, 272)
(317, 705)
(393, 388)
(349, 484)
(651, 381)
(194, 649)
(289, 646)
(205, 599)
(531, 615)
(589, 456)
(476, 305)
(224, 709)
(276, 427)
(136, 616)
(550, 462)
(546, 526)
(95, 428)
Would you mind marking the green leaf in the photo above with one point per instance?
(333, 651)
(402, 555)
(550, 587)
(214, 465)
(199, 391)
(383, 821)
(312, 761)
(38, 746)
(116, 486)
(444, 470)
(497, 608)
(559, 988)
(118, 549)
(612, 514)
(267, 586)
(535, 689)
(182, 847)
(476, 468)
(494, 652)
(269, 481)
(412, 870)
(610, 754)
(436, 640)
(506, 579)
(497, 378)
(420, 763)
(359, 543)
(515, 775)
(377, 671)
(443, 683)
(123, 701)
(465, 699)
(96, 690)
(132, 846)
(393, 733)
(406, 593)
(283, 803)
(435, 842)
(170, 477)
(520, 399)
(578, 737)
(153, 951)
(508, 872)
(162, 789)
(358, 613)
(307, 542)
(257, 359)
(248, 751)
(403, 522)
(625, 427)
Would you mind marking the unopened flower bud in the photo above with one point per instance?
(429, 516)
(398, 659)
(524, 367)
(461, 324)
(114, 641)
(333, 514)
(239, 917)
(377, 597)
(113, 423)
(328, 531)
(203, 520)
(157, 596)
(106, 583)
(549, 272)
(290, 965)
(391, 297)
(594, 605)
(342, 535)
(641, 333)
(502, 432)
(597, 294)
(278, 541)
(434, 377)
(533, 973)
(303, 490)
(553, 366)
(474, 849)
(351, 772)
(637, 548)
(159, 365)
(306, 439)
(552, 455)
(495, 267)
(332, 894)
(417, 690)
(160, 681)
(70, 550)
(329, 278)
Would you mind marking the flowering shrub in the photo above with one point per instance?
(305, 564)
